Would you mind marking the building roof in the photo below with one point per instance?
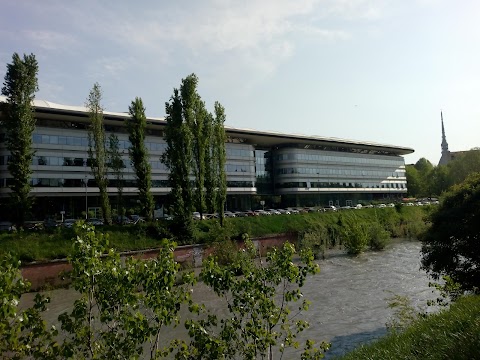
(260, 138)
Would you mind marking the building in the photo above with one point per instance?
(448, 155)
(278, 169)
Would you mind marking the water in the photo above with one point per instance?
(348, 297)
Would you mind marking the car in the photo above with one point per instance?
(380, 206)
(369, 206)
(229, 214)
(391, 205)
(251, 213)
(284, 211)
(274, 212)
(95, 222)
(122, 220)
(262, 212)
(293, 211)
(330, 208)
(68, 223)
(240, 214)
(358, 206)
(50, 223)
(6, 226)
(409, 204)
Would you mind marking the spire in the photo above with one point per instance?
(444, 139)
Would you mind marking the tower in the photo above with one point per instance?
(446, 157)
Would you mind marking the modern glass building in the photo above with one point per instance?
(279, 169)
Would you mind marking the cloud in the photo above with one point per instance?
(50, 40)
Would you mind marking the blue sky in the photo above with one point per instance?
(368, 70)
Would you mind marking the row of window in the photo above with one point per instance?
(351, 172)
(238, 152)
(44, 182)
(156, 165)
(338, 159)
(341, 185)
(83, 141)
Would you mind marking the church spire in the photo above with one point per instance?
(446, 156)
(444, 139)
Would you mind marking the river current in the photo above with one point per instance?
(348, 297)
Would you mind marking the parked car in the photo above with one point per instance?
(68, 223)
(358, 206)
(274, 212)
(229, 214)
(6, 226)
(95, 222)
(284, 211)
(380, 206)
(122, 220)
(50, 223)
(240, 214)
(391, 205)
(330, 208)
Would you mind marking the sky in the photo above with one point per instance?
(367, 70)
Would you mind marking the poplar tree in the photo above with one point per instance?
(116, 164)
(20, 86)
(196, 118)
(97, 150)
(178, 159)
(137, 125)
(219, 158)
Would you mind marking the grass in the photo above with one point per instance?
(57, 243)
(453, 334)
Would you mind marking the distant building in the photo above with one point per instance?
(448, 155)
(280, 169)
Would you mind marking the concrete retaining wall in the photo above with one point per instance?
(46, 274)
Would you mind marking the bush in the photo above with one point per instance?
(378, 237)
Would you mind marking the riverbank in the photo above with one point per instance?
(57, 243)
(453, 333)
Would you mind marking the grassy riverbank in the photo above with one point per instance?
(450, 334)
(57, 243)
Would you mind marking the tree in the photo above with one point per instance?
(196, 118)
(115, 163)
(264, 307)
(97, 151)
(20, 86)
(219, 158)
(137, 125)
(178, 159)
(451, 247)
(195, 151)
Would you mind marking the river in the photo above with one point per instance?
(348, 297)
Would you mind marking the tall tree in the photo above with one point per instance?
(450, 247)
(137, 125)
(20, 86)
(219, 158)
(97, 150)
(115, 162)
(196, 117)
(178, 159)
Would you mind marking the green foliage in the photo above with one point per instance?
(262, 316)
(195, 156)
(451, 245)
(219, 158)
(20, 86)
(23, 333)
(453, 333)
(404, 313)
(136, 126)
(316, 240)
(378, 237)
(355, 234)
(97, 150)
(178, 159)
(123, 304)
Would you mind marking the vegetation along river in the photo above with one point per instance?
(348, 297)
